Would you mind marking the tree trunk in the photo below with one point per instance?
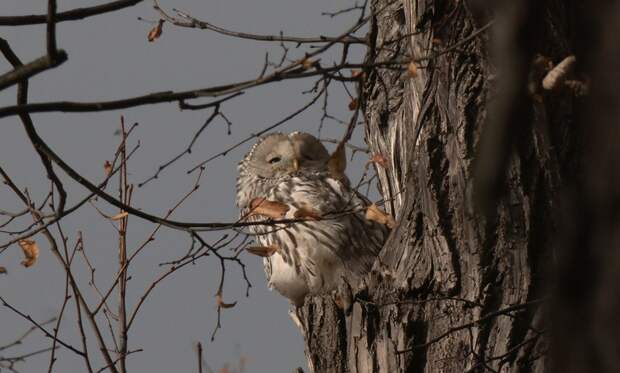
(457, 288)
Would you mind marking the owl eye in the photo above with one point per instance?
(274, 160)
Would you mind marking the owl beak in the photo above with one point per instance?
(295, 167)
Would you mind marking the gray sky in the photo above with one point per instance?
(109, 57)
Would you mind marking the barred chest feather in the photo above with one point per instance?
(313, 256)
(295, 283)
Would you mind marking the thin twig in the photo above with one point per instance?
(479, 321)
(39, 326)
(188, 21)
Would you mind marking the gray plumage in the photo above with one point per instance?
(312, 255)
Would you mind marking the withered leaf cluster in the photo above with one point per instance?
(31, 252)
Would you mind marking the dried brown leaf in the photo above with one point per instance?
(374, 213)
(358, 74)
(412, 69)
(2, 270)
(337, 163)
(270, 209)
(31, 252)
(119, 216)
(257, 202)
(263, 251)
(353, 104)
(379, 159)
(107, 168)
(155, 32)
(307, 212)
(220, 302)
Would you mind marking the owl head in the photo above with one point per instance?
(278, 155)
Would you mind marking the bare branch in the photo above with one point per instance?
(51, 28)
(345, 10)
(350, 146)
(188, 149)
(22, 98)
(70, 15)
(117, 359)
(259, 133)
(199, 355)
(23, 72)
(188, 21)
(294, 70)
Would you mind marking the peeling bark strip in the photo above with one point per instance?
(454, 290)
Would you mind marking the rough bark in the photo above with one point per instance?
(457, 288)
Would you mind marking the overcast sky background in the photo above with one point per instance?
(110, 58)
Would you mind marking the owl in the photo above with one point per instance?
(312, 256)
